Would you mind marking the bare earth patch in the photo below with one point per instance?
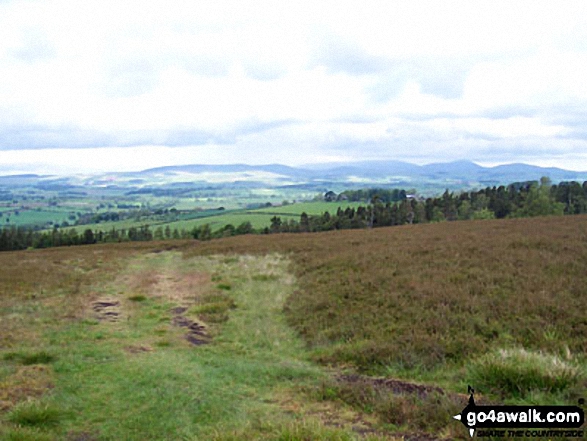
(393, 385)
(197, 334)
(106, 309)
(180, 288)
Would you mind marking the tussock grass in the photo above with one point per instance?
(408, 411)
(41, 357)
(35, 414)
(518, 372)
(213, 307)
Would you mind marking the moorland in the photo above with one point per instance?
(353, 334)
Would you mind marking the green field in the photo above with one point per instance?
(39, 217)
(259, 218)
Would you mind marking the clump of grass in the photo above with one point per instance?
(429, 412)
(37, 358)
(264, 277)
(35, 414)
(41, 357)
(11, 356)
(224, 286)
(213, 307)
(137, 298)
(160, 331)
(518, 372)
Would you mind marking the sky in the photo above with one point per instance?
(129, 85)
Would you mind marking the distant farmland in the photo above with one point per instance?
(259, 218)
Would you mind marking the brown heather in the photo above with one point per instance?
(424, 295)
(409, 296)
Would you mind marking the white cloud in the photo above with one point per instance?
(405, 80)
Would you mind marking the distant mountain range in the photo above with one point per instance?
(457, 170)
(430, 177)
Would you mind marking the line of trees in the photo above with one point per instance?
(396, 207)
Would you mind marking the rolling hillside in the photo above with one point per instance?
(356, 334)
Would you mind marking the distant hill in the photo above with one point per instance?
(430, 177)
(463, 170)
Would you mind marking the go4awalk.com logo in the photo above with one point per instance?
(522, 421)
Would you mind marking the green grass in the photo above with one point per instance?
(259, 218)
(41, 357)
(311, 208)
(519, 373)
(122, 380)
(34, 217)
(426, 302)
(35, 414)
(496, 304)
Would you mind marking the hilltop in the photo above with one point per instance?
(356, 334)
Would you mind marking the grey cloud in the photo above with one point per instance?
(35, 47)
(131, 77)
(204, 65)
(26, 136)
(339, 56)
(264, 72)
(17, 137)
(575, 134)
(569, 115)
(442, 77)
(509, 112)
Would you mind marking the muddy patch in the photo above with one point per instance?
(392, 385)
(196, 332)
(106, 310)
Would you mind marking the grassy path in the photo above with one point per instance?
(125, 372)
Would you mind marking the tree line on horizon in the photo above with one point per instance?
(384, 208)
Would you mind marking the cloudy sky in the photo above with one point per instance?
(125, 85)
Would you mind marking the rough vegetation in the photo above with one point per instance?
(402, 318)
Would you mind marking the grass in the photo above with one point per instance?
(41, 357)
(35, 414)
(426, 302)
(139, 378)
(496, 304)
(259, 218)
(518, 373)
